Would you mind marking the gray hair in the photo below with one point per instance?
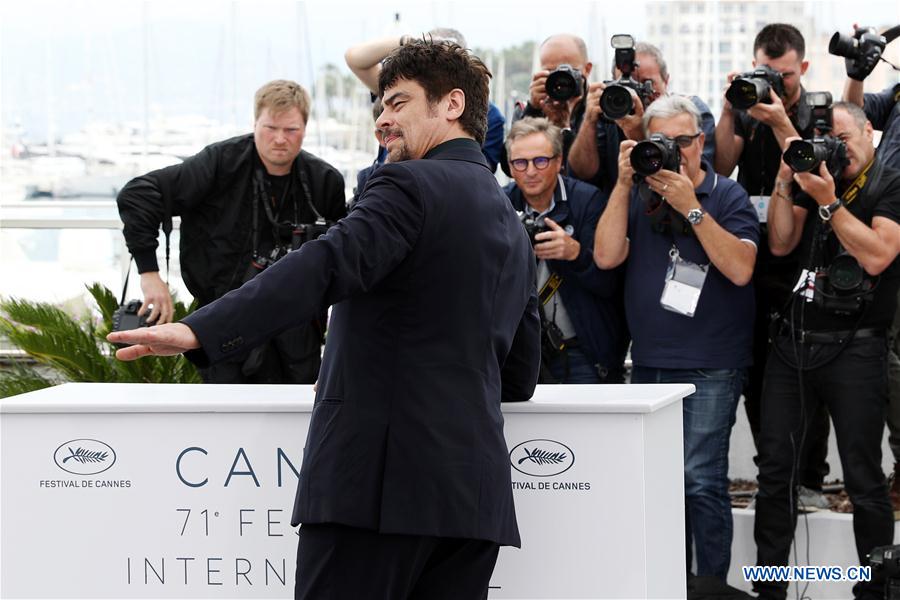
(529, 125)
(668, 107)
(449, 34)
(855, 112)
(651, 50)
(579, 43)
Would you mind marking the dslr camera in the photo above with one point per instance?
(126, 318)
(861, 52)
(533, 225)
(564, 83)
(806, 155)
(843, 287)
(748, 89)
(616, 101)
(885, 560)
(655, 153)
(298, 234)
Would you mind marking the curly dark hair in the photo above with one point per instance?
(440, 67)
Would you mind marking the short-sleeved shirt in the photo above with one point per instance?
(719, 335)
(883, 110)
(610, 135)
(880, 311)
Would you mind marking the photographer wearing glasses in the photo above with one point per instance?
(244, 203)
(688, 240)
(595, 152)
(583, 323)
(830, 348)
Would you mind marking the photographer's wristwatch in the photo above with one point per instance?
(825, 212)
(695, 216)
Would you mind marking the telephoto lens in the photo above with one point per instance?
(616, 102)
(803, 156)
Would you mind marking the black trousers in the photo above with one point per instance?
(336, 562)
(853, 387)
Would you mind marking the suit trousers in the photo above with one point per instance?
(338, 562)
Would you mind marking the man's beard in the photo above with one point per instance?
(399, 153)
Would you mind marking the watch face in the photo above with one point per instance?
(695, 215)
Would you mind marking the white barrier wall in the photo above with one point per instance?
(165, 491)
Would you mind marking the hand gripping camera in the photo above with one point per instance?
(861, 52)
(533, 225)
(806, 155)
(748, 89)
(564, 83)
(616, 101)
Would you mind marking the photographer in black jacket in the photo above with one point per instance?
(582, 308)
(830, 347)
(243, 202)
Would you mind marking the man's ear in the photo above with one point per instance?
(456, 104)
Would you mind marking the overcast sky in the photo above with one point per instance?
(73, 61)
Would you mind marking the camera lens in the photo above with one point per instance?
(803, 156)
(616, 102)
(561, 85)
(843, 45)
(648, 157)
(744, 93)
(844, 273)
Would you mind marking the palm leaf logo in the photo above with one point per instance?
(85, 456)
(543, 457)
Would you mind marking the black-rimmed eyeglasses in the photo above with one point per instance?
(684, 141)
(540, 162)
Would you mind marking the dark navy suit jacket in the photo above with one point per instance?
(434, 323)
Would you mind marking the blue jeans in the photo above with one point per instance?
(708, 415)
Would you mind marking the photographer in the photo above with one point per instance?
(689, 238)
(595, 151)
(753, 140)
(583, 322)
(883, 111)
(831, 346)
(243, 203)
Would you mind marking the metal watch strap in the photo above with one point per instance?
(695, 216)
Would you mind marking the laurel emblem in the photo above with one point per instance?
(85, 456)
(543, 457)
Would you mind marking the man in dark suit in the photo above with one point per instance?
(405, 485)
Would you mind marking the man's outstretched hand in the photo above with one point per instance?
(159, 340)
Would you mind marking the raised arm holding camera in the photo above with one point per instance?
(688, 240)
(614, 111)
(582, 317)
(830, 347)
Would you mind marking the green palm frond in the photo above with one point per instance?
(75, 349)
(20, 379)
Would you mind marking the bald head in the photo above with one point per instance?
(564, 48)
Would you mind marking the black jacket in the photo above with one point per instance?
(212, 193)
(434, 323)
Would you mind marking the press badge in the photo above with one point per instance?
(684, 282)
(761, 205)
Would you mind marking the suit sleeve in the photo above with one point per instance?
(351, 258)
(144, 201)
(520, 370)
(879, 106)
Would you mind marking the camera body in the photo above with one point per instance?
(126, 318)
(752, 87)
(806, 155)
(564, 83)
(298, 234)
(533, 225)
(616, 101)
(654, 154)
(885, 560)
(843, 287)
(862, 51)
